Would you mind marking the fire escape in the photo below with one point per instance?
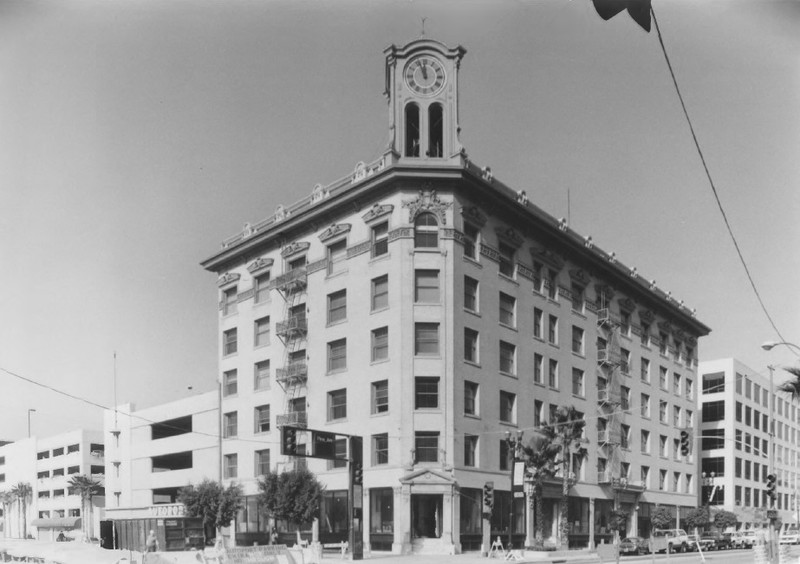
(293, 331)
(611, 415)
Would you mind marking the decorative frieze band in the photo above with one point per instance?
(401, 233)
(473, 215)
(246, 295)
(294, 248)
(335, 230)
(227, 278)
(427, 202)
(260, 264)
(490, 253)
(317, 265)
(376, 211)
(359, 249)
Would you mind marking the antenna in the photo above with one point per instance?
(423, 27)
(568, 208)
(115, 390)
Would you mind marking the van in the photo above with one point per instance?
(669, 540)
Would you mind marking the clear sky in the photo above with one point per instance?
(136, 135)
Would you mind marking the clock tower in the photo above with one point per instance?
(422, 87)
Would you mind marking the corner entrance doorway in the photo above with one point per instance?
(426, 515)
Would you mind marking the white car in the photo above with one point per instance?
(790, 537)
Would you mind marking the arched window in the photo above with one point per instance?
(426, 231)
(412, 130)
(435, 131)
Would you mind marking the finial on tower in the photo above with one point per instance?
(423, 27)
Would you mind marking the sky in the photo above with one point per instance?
(135, 136)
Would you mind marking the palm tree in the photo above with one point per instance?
(540, 457)
(22, 491)
(87, 488)
(7, 500)
(567, 425)
(792, 387)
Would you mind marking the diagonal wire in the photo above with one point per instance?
(710, 180)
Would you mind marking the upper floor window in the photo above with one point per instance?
(507, 253)
(380, 292)
(426, 339)
(538, 323)
(508, 358)
(412, 130)
(713, 383)
(337, 355)
(435, 131)
(380, 239)
(663, 339)
(426, 392)
(337, 256)
(552, 330)
(229, 342)
(551, 284)
(508, 306)
(470, 398)
(426, 286)
(380, 397)
(472, 237)
(426, 231)
(508, 407)
(337, 306)
(426, 446)
(577, 340)
(470, 345)
(230, 382)
(576, 293)
(231, 424)
(380, 344)
(229, 301)
(713, 411)
(645, 337)
(261, 375)
(470, 294)
(261, 288)
(261, 417)
(337, 404)
(261, 332)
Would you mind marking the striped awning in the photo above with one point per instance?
(58, 523)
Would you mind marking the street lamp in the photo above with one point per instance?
(769, 345)
(517, 473)
(29, 421)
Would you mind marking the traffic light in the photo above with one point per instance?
(685, 443)
(639, 10)
(771, 486)
(488, 497)
(289, 441)
(358, 474)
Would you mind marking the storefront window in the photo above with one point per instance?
(382, 510)
(249, 519)
(602, 516)
(578, 516)
(471, 508)
(501, 513)
(333, 511)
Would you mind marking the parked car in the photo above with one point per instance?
(714, 540)
(634, 545)
(790, 536)
(670, 540)
(744, 539)
(702, 541)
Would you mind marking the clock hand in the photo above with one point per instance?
(424, 70)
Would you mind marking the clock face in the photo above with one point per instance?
(425, 75)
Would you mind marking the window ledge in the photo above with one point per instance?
(473, 261)
(509, 374)
(472, 416)
(380, 414)
(331, 275)
(379, 361)
(337, 371)
(577, 313)
(578, 396)
(508, 423)
(509, 327)
(334, 323)
(554, 301)
(579, 355)
(336, 421)
(379, 258)
(507, 278)
(472, 312)
(472, 363)
(380, 309)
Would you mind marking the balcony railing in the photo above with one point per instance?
(294, 325)
(293, 419)
(293, 371)
(604, 315)
(607, 356)
(608, 395)
(294, 279)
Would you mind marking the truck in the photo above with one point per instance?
(669, 540)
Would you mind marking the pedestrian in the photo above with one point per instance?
(151, 545)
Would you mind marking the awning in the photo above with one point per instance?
(57, 523)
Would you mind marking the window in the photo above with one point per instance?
(645, 337)
(230, 382)
(676, 449)
(471, 241)
(73, 470)
(551, 284)
(426, 286)
(538, 368)
(231, 425)
(380, 239)
(625, 366)
(676, 480)
(676, 415)
(380, 344)
(262, 460)
(412, 130)
(262, 419)
(470, 294)
(624, 323)
(538, 323)
(645, 476)
(380, 292)
(380, 397)
(552, 330)
(435, 131)
(426, 446)
(229, 342)
(56, 452)
(552, 374)
(380, 449)
(713, 411)
(577, 382)
(58, 472)
(337, 355)
(713, 383)
(508, 306)
(504, 455)
(663, 446)
(470, 345)
(663, 339)
(470, 450)
(231, 466)
(337, 257)
(625, 436)
(645, 371)
(337, 404)
(261, 288)
(229, 301)
(337, 306)
(715, 438)
(508, 407)
(261, 375)
(577, 340)
(470, 398)
(645, 441)
(625, 398)
(506, 259)
(662, 378)
(645, 405)
(261, 332)
(426, 392)
(426, 339)
(689, 389)
(508, 354)
(662, 411)
(426, 231)
(576, 292)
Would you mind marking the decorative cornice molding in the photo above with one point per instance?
(260, 264)
(508, 235)
(665, 326)
(227, 278)
(579, 275)
(548, 257)
(294, 248)
(627, 304)
(319, 193)
(281, 213)
(647, 316)
(334, 230)
(376, 211)
(605, 290)
(473, 215)
(427, 202)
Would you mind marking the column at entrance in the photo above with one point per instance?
(402, 520)
(591, 523)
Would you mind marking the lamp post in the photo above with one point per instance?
(517, 475)
(29, 421)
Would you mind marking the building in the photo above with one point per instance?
(738, 410)
(425, 306)
(47, 465)
(151, 453)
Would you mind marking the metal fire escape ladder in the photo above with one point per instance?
(609, 361)
(292, 332)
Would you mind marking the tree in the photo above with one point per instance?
(540, 455)
(724, 519)
(215, 504)
(7, 500)
(294, 496)
(792, 387)
(87, 487)
(661, 518)
(697, 518)
(22, 491)
(618, 521)
(567, 426)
